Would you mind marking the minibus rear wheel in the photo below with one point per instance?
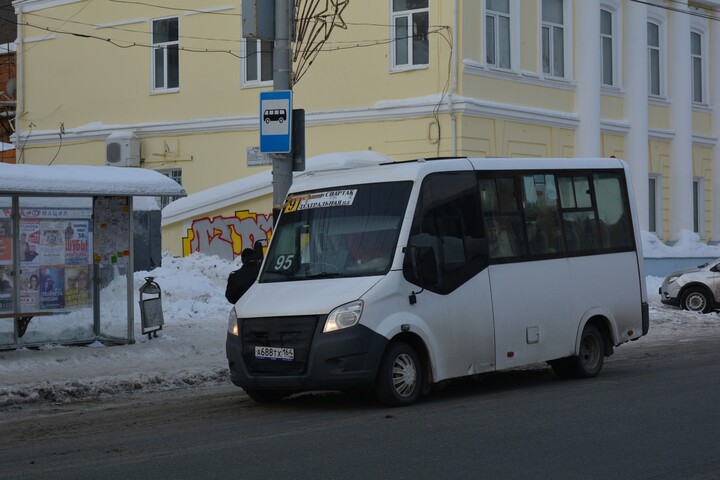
(590, 359)
(399, 380)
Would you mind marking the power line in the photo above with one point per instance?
(124, 44)
(699, 14)
(164, 7)
(129, 30)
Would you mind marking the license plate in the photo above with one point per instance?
(275, 353)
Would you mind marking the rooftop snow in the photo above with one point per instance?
(82, 180)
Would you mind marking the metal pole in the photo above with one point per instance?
(282, 80)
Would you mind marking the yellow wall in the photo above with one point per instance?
(702, 123)
(613, 145)
(658, 117)
(612, 107)
(702, 167)
(660, 164)
(486, 137)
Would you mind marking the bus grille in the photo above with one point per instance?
(286, 332)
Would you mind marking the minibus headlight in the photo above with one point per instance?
(344, 316)
(232, 323)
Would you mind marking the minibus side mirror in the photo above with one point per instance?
(421, 264)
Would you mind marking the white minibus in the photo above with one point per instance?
(398, 276)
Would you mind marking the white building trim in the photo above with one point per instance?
(121, 23)
(714, 58)
(681, 120)
(636, 105)
(381, 111)
(202, 11)
(35, 5)
(587, 74)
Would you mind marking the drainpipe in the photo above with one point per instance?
(20, 93)
(450, 99)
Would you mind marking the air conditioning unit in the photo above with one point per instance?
(122, 149)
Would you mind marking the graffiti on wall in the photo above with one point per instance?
(226, 237)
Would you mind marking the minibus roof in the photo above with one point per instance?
(413, 170)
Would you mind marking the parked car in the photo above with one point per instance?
(695, 289)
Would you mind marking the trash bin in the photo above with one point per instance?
(151, 314)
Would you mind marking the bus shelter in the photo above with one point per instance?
(66, 252)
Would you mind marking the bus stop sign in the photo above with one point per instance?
(275, 121)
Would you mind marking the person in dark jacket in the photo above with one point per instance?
(240, 280)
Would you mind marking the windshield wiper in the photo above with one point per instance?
(323, 275)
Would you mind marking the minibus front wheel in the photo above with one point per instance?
(400, 377)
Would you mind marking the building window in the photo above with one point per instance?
(696, 52)
(698, 205)
(175, 174)
(606, 47)
(655, 203)
(553, 38)
(165, 49)
(257, 61)
(497, 33)
(653, 42)
(410, 20)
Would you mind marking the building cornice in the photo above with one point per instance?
(381, 111)
(34, 5)
(517, 113)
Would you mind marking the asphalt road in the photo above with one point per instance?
(653, 413)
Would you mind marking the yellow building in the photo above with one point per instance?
(176, 89)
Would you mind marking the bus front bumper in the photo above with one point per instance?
(347, 358)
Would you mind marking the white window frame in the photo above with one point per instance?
(699, 206)
(514, 35)
(567, 43)
(702, 57)
(258, 82)
(615, 11)
(173, 174)
(408, 14)
(155, 46)
(657, 195)
(661, 49)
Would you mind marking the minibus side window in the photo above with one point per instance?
(542, 216)
(613, 211)
(580, 221)
(447, 223)
(503, 218)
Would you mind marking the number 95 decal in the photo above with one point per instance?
(284, 262)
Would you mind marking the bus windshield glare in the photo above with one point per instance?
(347, 231)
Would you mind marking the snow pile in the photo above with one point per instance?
(688, 245)
(190, 350)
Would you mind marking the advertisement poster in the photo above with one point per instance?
(52, 243)
(77, 286)
(77, 242)
(29, 289)
(5, 242)
(30, 241)
(52, 287)
(112, 229)
(6, 290)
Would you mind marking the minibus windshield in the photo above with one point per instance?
(346, 231)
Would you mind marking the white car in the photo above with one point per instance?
(695, 289)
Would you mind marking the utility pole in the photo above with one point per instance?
(282, 163)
